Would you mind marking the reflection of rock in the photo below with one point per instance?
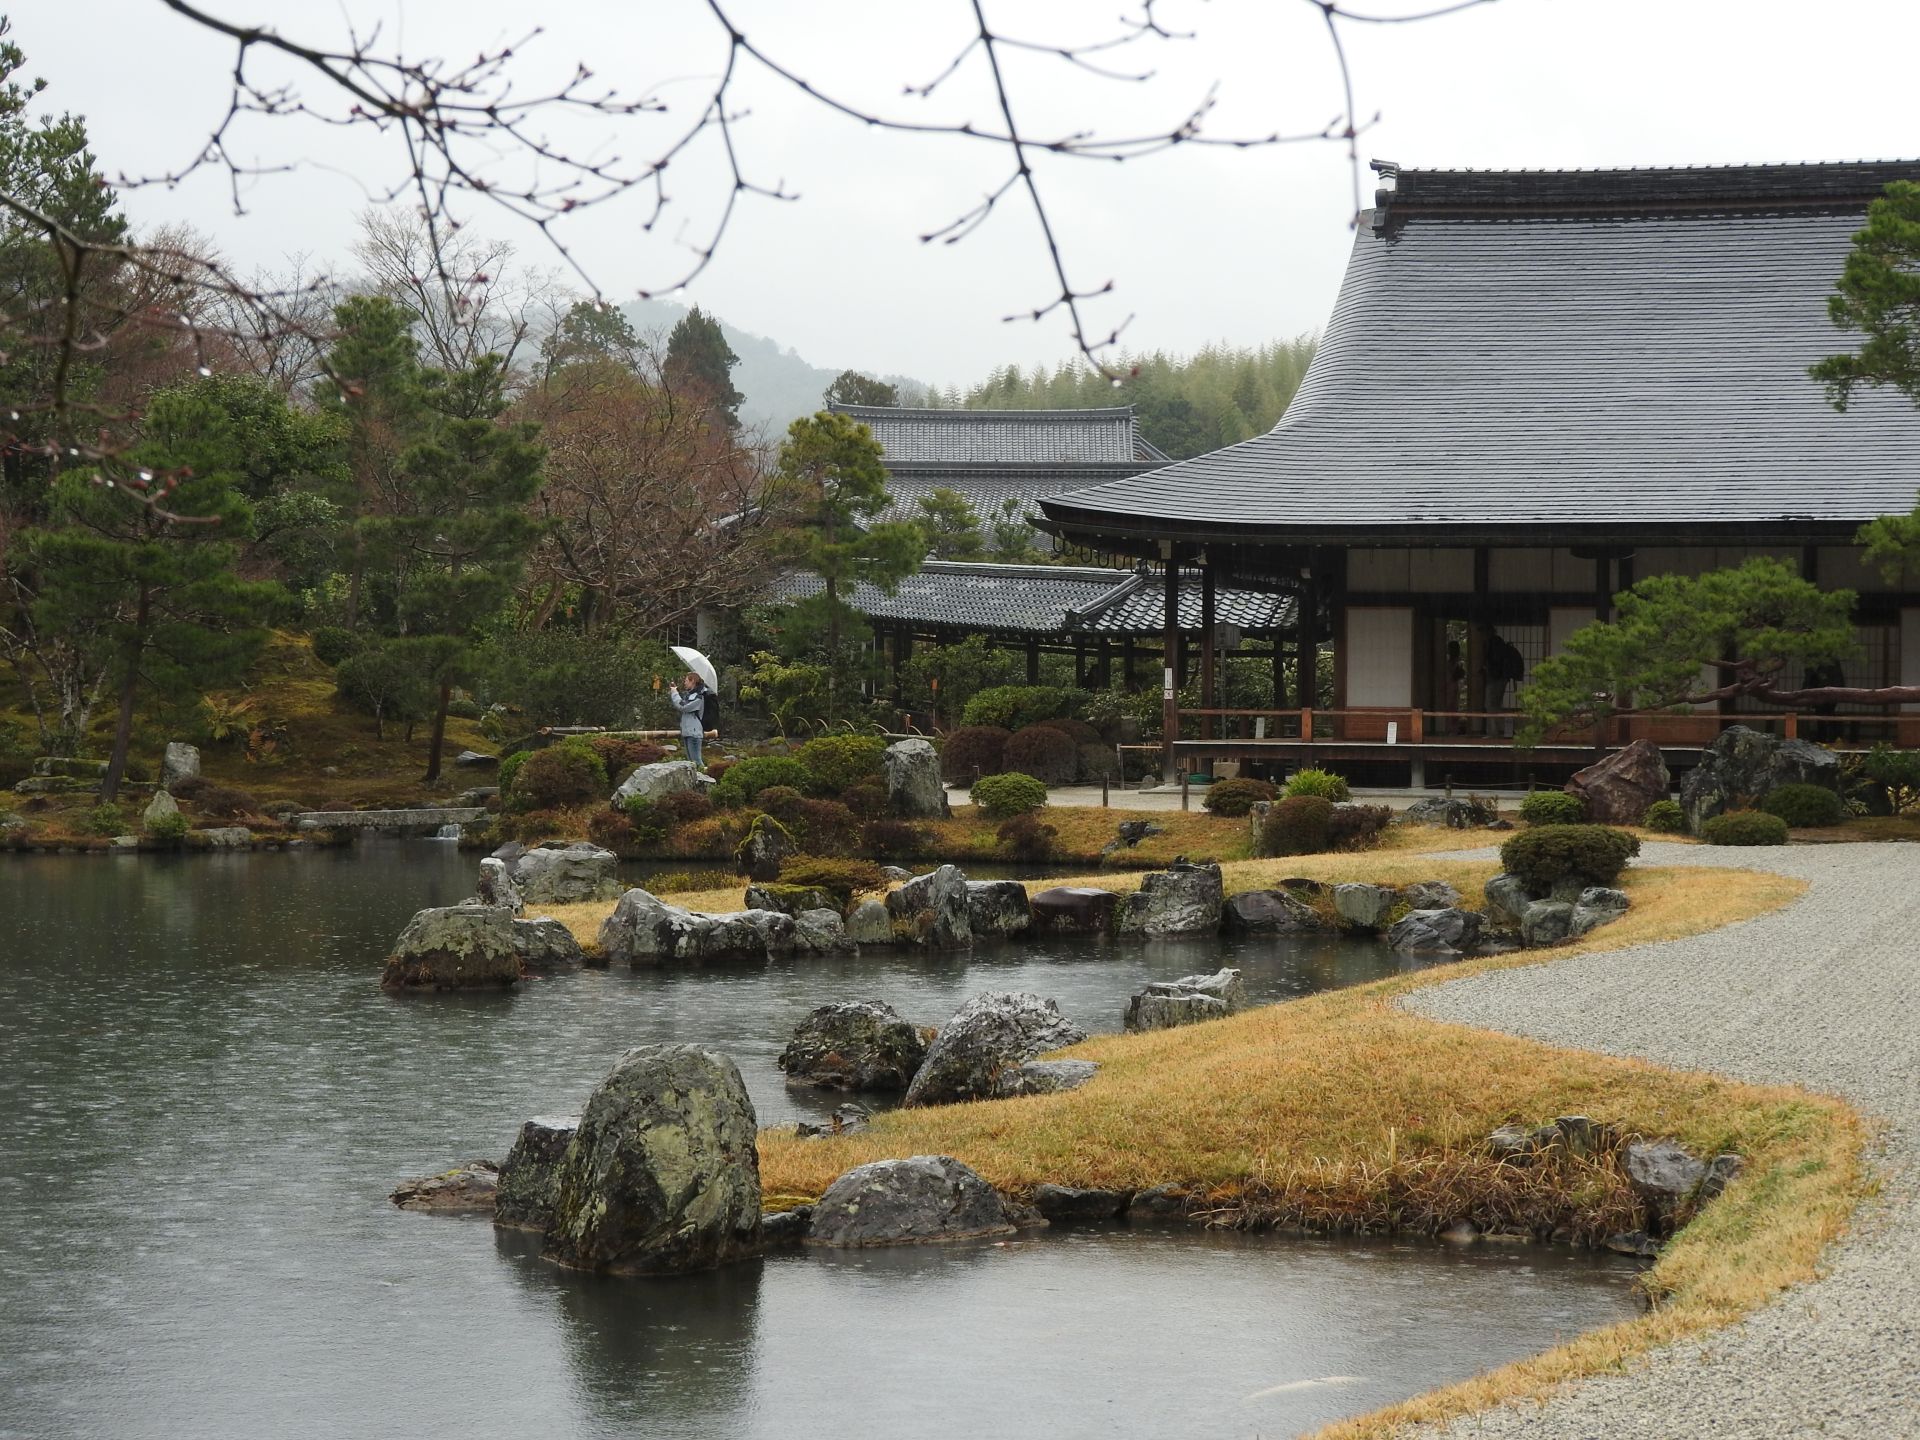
(987, 1038)
(662, 1174)
(854, 1045)
(926, 1199)
(530, 1175)
(914, 790)
(464, 1190)
(932, 909)
(1073, 910)
(1183, 899)
(567, 874)
(997, 909)
(454, 947)
(1166, 1003)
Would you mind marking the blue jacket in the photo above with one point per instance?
(692, 706)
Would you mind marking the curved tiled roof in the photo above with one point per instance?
(1043, 599)
(1637, 357)
(1106, 436)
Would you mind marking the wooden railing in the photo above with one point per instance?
(1413, 725)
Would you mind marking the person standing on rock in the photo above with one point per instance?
(691, 702)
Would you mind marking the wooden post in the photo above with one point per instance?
(1602, 610)
(1126, 664)
(1170, 663)
(1208, 669)
(1033, 662)
(1102, 664)
(1079, 663)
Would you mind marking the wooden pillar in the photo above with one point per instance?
(1477, 634)
(1306, 647)
(1209, 669)
(1102, 664)
(1126, 664)
(1170, 665)
(1079, 663)
(1602, 610)
(1033, 662)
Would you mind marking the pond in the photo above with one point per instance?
(205, 1098)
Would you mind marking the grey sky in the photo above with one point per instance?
(1201, 244)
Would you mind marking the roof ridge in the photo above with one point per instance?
(920, 412)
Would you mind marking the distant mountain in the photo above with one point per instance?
(779, 385)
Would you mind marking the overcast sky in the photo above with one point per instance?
(1201, 245)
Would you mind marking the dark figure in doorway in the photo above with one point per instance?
(1505, 666)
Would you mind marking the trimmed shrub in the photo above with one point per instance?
(973, 751)
(564, 774)
(1322, 783)
(838, 762)
(1745, 827)
(893, 839)
(1553, 807)
(1014, 707)
(821, 827)
(169, 829)
(108, 819)
(621, 753)
(1546, 854)
(1000, 797)
(1047, 754)
(1666, 817)
(682, 807)
(745, 779)
(612, 830)
(1298, 825)
(1237, 797)
(1357, 827)
(842, 879)
(465, 708)
(334, 643)
(1078, 731)
(1803, 806)
(1027, 838)
(510, 767)
(684, 882)
(867, 800)
(1098, 762)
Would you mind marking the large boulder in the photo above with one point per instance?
(997, 909)
(160, 808)
(1598, 905)
(1507, 899)
(181, 761)
(1739, 769)
(645, 931)
(567, 874)
(1546, 922)
(765, 850)
(496, 886)
(933, 909)
(545, 945)
(819, 932)
(1276, 911)
(854, 1045)
(1619, 787)
(1073, 910)
(1363, 906)
(530, 1175)
(455, 947)
(924, 1200)
(1164, 1004)
(987, 1038)
(914, 788)
(464, 1190)
(1183, 899)
(1445, 810)
(656, 781)
(870, 924)
(1446, 932)
(662, 1175)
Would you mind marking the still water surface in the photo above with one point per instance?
(204, 1099)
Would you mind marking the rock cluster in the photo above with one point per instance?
(1548, 917)
(645, 931)
(1740, 767)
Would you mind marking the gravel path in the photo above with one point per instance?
(1821, 994)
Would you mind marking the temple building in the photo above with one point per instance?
(1535, 389)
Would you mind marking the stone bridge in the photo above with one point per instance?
(393, 820)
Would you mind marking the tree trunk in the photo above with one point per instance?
(439, 731)
(129, 685)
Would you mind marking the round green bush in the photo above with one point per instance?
(1236, 797)
(1666, 817)
(1547, 854)
(1321, 783)
(973, 751)
(1012, 707)
(1298, 825)
(839, 762)
(1804, 806)
(1078, 731)
(564, 774)
(1001, 797)
(1553, 807)
(510, 767)
(1047, 754)
(647, 823)
(747, 778)
(1745, 827)
(334, 643)
(169, 829)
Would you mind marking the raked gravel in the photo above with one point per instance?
(1825, 994)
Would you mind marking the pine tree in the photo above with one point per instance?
(951, 527)
(699, 356)
(850, 387)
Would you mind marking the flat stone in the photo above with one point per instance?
(464, 1190)
(227, 837)
(1269, 911)
(1046, 1077)
(473, 759)
(1073, 910)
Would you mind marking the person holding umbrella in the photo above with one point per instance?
(700, 682)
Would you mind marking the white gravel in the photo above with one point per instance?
(1821, 994)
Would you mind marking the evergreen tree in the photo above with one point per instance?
(832, 485)
(591, 332)
(1878, 295)
(698, 355)
(850, 387)
(950, 525)
(158, 596)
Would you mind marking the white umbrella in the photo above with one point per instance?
(698, 664)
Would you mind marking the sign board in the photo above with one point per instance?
(1167, 687)
(1393, 732)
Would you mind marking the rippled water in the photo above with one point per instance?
(204, 1099)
